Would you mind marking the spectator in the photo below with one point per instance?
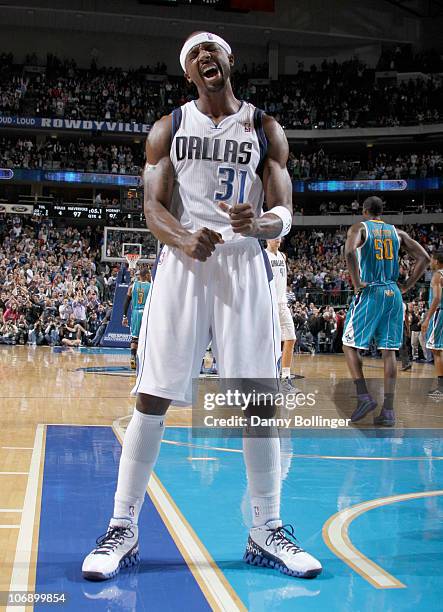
(103, 318)
(11, 313)
(22, 330)
(334, 95)
(36, 333)
(79, 308)
(65, 309)
(52, 331)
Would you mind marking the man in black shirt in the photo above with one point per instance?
(103, 316)
(404, 351)
(415, 325)
(32, 310)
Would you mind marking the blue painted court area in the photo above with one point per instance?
(206, 479)
(78, 488)
(404, 538)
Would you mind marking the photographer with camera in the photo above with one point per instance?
(36, 333)
(52, 330)
(22, 330)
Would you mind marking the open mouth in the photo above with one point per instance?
(209, 71)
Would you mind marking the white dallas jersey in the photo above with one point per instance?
(278, 265)
(214, 164)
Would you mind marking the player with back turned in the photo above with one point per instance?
(377, 312)
(210, 165)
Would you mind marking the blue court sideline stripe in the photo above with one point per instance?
(77, 499)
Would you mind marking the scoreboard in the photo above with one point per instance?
(132, 200)
(75, 211)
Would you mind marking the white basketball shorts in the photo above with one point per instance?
(286, 322)
(229, 299)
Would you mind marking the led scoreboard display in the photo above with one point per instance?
(132, 200)
(74, 211)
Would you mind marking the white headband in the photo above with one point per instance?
(198, 39)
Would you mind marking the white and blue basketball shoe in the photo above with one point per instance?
(116, 549)
(274, 546)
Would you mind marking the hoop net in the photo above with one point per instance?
(132, 259)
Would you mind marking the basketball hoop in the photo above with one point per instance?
(132, 259)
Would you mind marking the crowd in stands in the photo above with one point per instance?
(76, 154)
(106, 94)
(95, 156)
(402, 58)
(55, 290)
(320, 164)
(333, 95)
(347, 95)
(317, 268)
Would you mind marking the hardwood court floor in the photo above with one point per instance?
(39, 386)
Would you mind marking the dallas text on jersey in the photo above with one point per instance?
(213, 149)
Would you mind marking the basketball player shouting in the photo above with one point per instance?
(209, 165)
(377, 312)
(277, 260)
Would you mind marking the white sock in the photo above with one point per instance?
(262, 460)
(286, 372)
(141, 446)
(285, 452)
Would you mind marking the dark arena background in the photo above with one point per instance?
(357, 88)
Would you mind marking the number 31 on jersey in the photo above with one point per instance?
(227, 177)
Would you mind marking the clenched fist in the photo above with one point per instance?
(242, 217)
(201, 244)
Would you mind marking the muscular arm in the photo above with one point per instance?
(420, 256)
(276, 180)
(354, 240)
(159, 182)
(158, 178)
(436, 299)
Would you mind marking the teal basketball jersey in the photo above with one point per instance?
(140, 292)
(431, 294)
(434, 335)
(378, 256)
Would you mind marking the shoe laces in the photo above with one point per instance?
(284, 538)
(114, 537)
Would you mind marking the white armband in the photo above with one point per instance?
(283, 213)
